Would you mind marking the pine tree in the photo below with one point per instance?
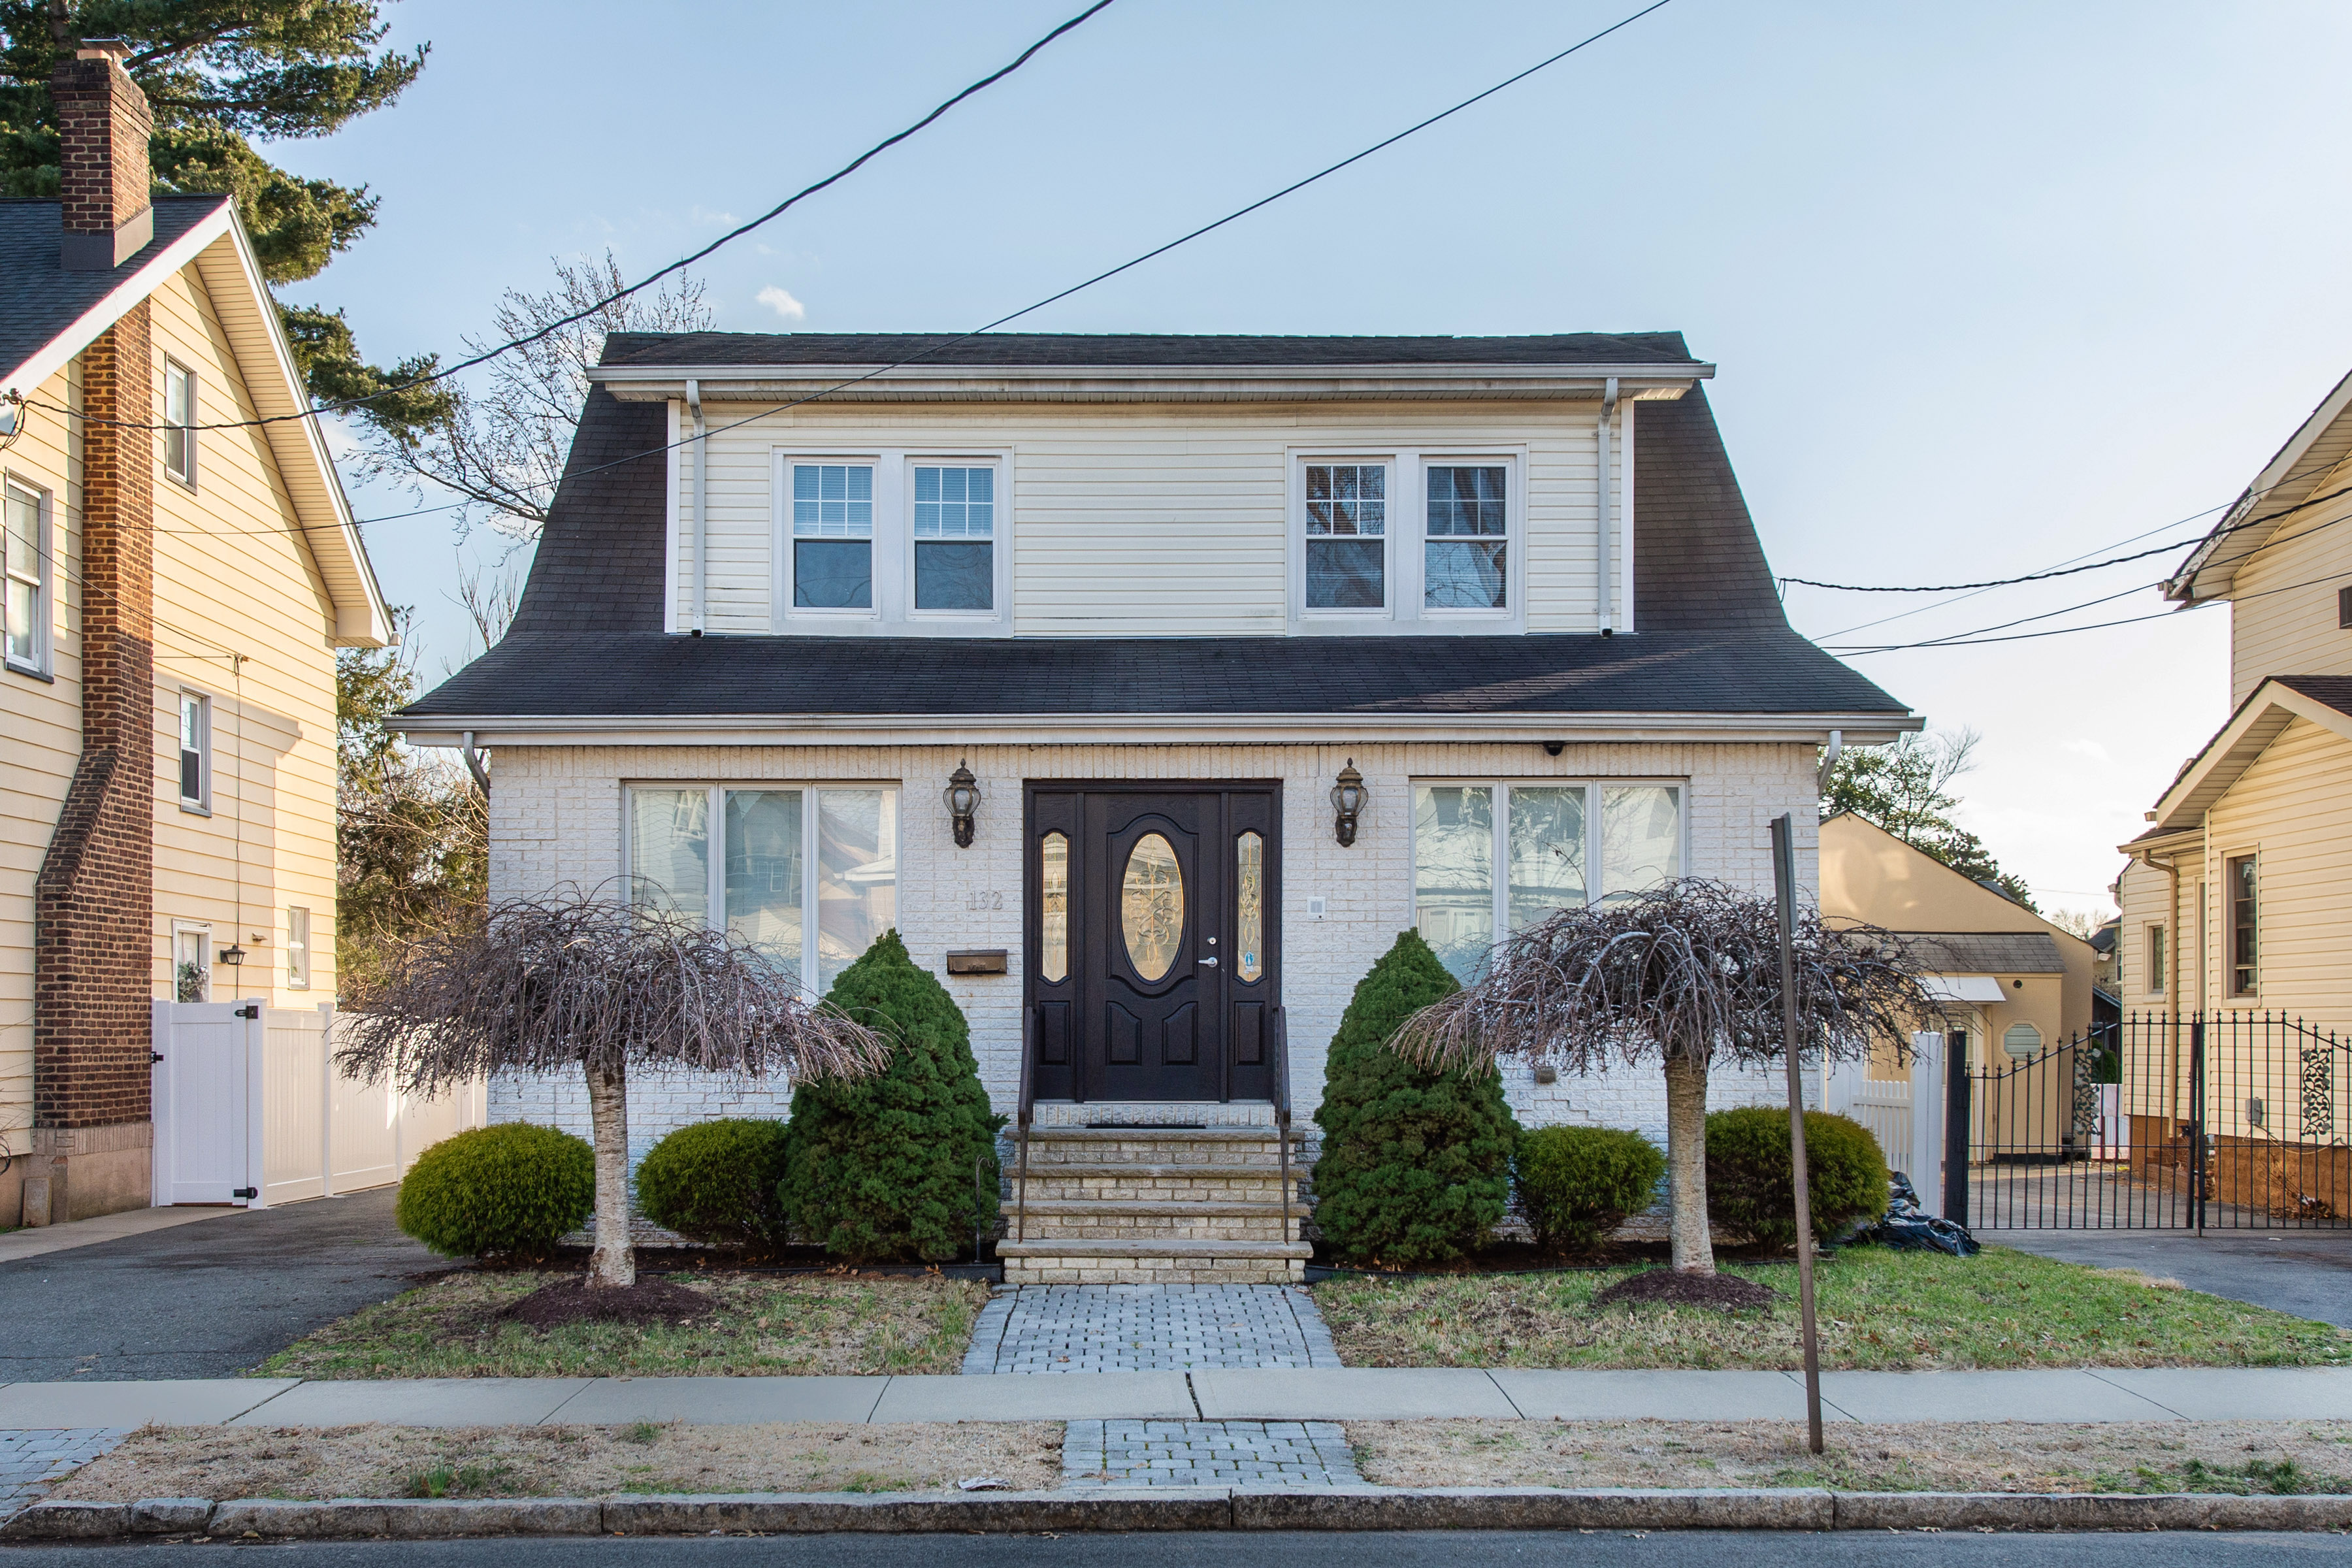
(882, 1168)
(1416, 1165)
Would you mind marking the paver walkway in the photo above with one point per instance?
(1207, 1454)
(30, 1460)
(1148, 1328)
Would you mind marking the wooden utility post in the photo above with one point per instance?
(1784, 880)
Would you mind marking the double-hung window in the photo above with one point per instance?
(1492, 857)
(298, 948)
(25, 568)
(1347, 536)
(955, 534)
(832, 536)
(180, 423)
(195, 751)
(808, 874)
(1465, 560)
(2155, 958)
(2241, 908)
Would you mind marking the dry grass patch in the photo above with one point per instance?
(1880, 1310)
(2114, 1457)
(762, 1325)
(567, 1461)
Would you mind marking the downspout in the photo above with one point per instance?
(701, 484)
(1608, 597)
(1829, 760)
(474, 765)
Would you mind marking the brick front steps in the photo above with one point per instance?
(1154, 1206)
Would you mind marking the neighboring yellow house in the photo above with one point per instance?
(176, 586)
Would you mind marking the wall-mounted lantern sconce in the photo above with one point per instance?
(232, 955)
(962, 795)
(1346, 803)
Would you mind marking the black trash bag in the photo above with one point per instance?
(1907, 1228)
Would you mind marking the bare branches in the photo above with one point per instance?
(544, 985)
(1689, 970)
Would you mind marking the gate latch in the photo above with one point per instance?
(244, 1192)
(252, 1011)
(154, 1055)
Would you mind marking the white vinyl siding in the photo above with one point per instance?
(2293, 807)
(1149, 519)
(2284, 615)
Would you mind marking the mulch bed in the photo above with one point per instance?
(571, 1301)
(1674, 1287)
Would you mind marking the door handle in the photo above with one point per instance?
(1211, 962)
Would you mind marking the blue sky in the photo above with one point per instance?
(1990, 286)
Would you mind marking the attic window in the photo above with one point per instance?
(2343, 607)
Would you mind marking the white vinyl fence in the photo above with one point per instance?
(249, 1109)
(1905, 1111)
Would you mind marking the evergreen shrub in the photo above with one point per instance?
(716, 1182)
(1749, 1185)
(1578, 1184)
(505, 1191)
(1416, 1165)
(881, 1167)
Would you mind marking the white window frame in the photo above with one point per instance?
(202, 931)
(186, 473)
(1498, 855)
(715, 883)
(298, 947)
(1405, 540)
(999, 538)
(2231, 995)
(2156, 970)
(200, 804)
(42, 664)
(881, 544)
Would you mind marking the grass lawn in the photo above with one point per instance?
(2242, 1457)
(764, 1325)
(1879, 1310)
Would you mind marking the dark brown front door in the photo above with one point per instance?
(1153, 971)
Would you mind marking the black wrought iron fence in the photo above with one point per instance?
(2231, 1121)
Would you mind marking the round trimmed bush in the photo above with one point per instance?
(1748, 1186)
(1416, 1165)
(505, 1191)
(1578, 1184)
(716, 1182)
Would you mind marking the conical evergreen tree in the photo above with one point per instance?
(882, 1168)
(1416, 1165)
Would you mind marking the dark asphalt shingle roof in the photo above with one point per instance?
(1134, 349)
(1987, 952)
(587, 639)
(2335, 691)
(39, 299)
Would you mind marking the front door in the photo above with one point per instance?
(1154, 969)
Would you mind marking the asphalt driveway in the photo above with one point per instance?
(2305, 1272)
(207, 1300)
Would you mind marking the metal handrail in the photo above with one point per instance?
(1282, 1110)
(1026, 1114)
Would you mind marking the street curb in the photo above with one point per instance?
(1173, 1507)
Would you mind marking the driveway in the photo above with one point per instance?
(2305, 1272)
(206, 1299)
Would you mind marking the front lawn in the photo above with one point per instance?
(1879, 1310)
(764, 1325)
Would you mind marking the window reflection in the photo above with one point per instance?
(1641, 838)
(669, 834)
(1152, 907)
(856, 874)
(1453, 872)
(1053, 909)
(1249, 907)
(764, 872)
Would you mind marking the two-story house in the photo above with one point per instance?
(180, 567)
(2238, 897)
(1250, 651)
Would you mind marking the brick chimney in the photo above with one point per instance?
(105, 122)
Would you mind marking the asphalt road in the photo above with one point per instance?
(2306, 1272)
(208, 1300)
(1446, 1550)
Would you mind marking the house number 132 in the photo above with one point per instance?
(982, 898)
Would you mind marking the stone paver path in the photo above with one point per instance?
(1148, 1328)
(1207, 1454)
(30, 1460)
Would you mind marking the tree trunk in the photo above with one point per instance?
(1686, 1163)
(612, 1265)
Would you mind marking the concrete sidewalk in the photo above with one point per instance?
(1353, 1394)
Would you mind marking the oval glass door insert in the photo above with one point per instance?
(1152, 907)
(1054, 916)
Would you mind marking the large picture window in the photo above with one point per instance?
(809, 875)
(1492, 857)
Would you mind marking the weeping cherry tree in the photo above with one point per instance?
(1685, 975)
(549, 985)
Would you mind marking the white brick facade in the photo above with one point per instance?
(556, 817)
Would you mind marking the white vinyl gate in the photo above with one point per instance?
(1905, 1113)
(249, 1109)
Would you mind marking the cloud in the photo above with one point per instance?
(782, 303)
(2089, 748)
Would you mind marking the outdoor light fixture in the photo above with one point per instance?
(232, 955)
(1346, 803)
(962, 795)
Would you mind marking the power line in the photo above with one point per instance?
(732, 235)
(1968, 639)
